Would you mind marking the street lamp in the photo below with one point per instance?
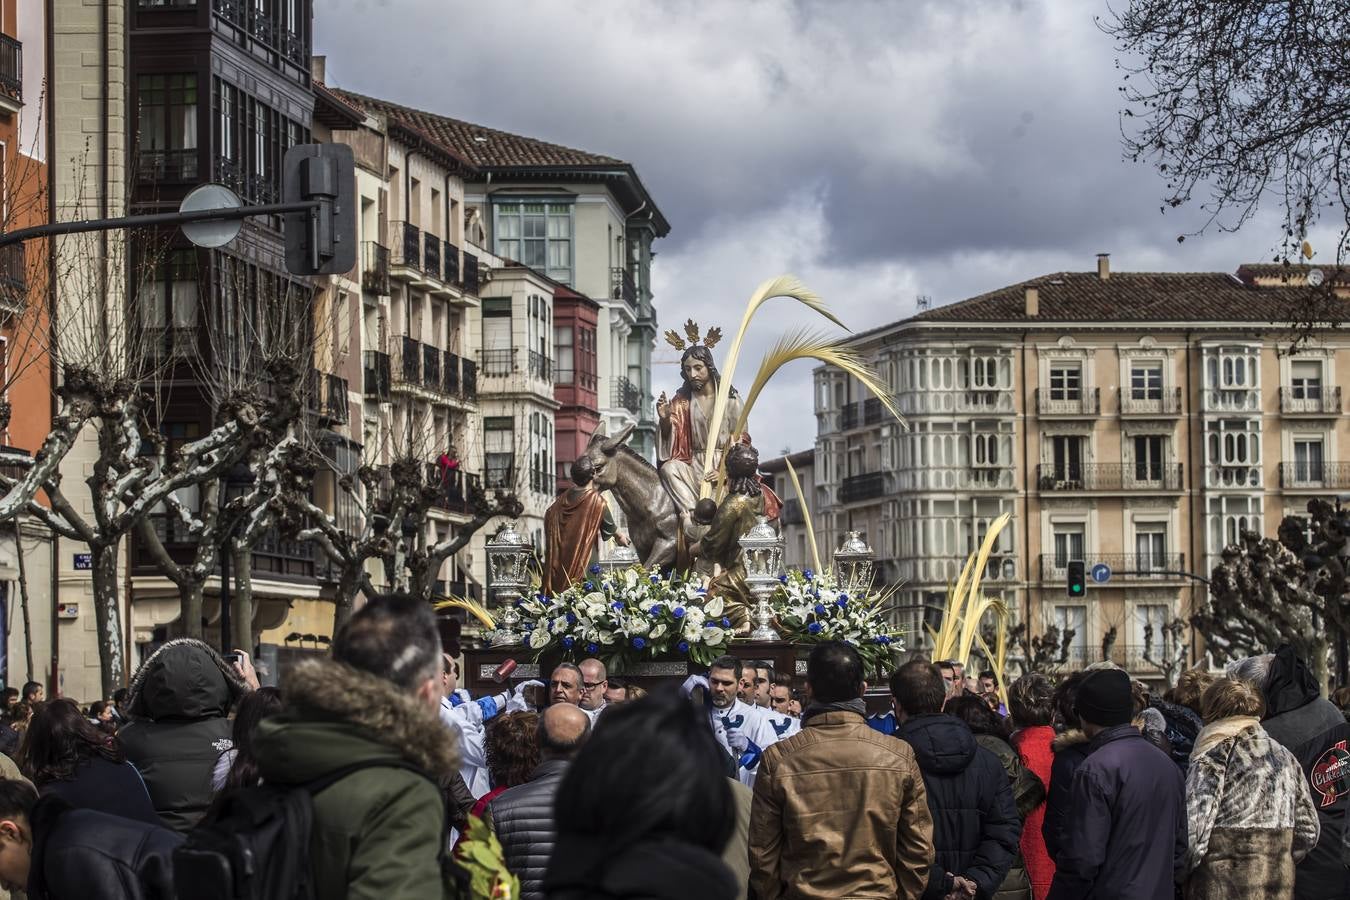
(763, 550)
(508, 561)
(853, 565)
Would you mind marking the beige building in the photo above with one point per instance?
(1135, 422)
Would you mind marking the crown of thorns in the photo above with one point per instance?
(691, 332)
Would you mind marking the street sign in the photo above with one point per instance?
(84, 562)
(1101, 573)
(211, 234)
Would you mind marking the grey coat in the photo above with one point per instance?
(522, 817)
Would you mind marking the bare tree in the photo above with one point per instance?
(1169, 651)
(1240, 102)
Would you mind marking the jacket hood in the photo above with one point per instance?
(1291, 684)
(1071, 738)
(185, 679)
(338, 715)
(942, 744)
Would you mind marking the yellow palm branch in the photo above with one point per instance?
(965, 608)
(806, 514)
(476, 610)
(782, 286)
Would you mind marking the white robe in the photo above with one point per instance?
(762, 727)
(465, 719)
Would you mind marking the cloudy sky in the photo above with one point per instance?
(877, 150)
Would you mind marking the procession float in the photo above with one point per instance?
(697, 570)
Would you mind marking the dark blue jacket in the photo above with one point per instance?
(975, 824)
(1125, 838)
(1071, 748)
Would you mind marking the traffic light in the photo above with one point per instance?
(1077, 581)
(320, 241)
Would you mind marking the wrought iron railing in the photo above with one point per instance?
(431, 368)
(1315, 474)
(450, 373)
(625, 395)
(456, 488)
(405, 245)
(469, 274)
(621, 286)
(375, 268)
(867, 486)
(450, 260)
(375, 372)
(1123, 566)
(540, 365)
(872, 411)
(167, 165)
(850, 416)
(431, 256)
(497, 363)
(469, 380)
(1163, 403)
(335, 405)
(1317, 400)
(11, 66)
(1088, 402)
(13, 269)
(1109, 477)
(411, 368)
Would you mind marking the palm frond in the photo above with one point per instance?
(782, 286)
(806, 514)
(478, 611)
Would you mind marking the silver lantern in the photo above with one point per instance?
(853, 565)
(508, 575)
(619, 559)
(763, 550)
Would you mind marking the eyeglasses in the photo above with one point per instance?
(590, 685)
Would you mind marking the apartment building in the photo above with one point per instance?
(797, 549)
(1132, 421)
(584, 220)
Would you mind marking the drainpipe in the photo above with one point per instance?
(1026, 489)
(52, 374)
(1191, 488)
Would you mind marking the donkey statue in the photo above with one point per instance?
(653, 520)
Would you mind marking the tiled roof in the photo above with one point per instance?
(1127, 297)
(800, 460)
(334, 110)
(1294, 273)
(484, 147)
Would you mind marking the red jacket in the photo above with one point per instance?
(1033, 745)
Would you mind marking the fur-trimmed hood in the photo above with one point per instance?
(1066, 739)
(185, 680)
(338, 715)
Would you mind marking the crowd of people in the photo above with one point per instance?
(374, 764)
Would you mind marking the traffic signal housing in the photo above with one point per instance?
(1077, 579)
(320, 241)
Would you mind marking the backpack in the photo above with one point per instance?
(254, 844)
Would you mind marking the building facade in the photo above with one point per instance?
(1135, 422)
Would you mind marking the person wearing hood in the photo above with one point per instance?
(1250, 816)
(976, 829)
(380, 829)
(180, 705)
(1125, 837)
(1300, 719)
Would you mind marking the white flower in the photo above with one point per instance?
(539, 639)
(558, 625)
(646, 605)
(638, 628)
(657, 630)
(696, 616)
(630, 578)
(714, 636)
(692, 633)
(714, 607)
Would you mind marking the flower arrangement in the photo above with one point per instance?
(812, 609)
(622, 617)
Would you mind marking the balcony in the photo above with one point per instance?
(873, 411)
(1087, 403)
(279, 557)
(1166, 403)
(469, 380)
(981, 401)
(11, 73)
(621, 286)
(431, 368)
(450, 368)
(623, 394)
(233, 11)
(498, 363)
(329, 398)
(1109, 477)
(1131, 567)
(862, 487)
(1310, 401)
(791, 513)
(1314, 476)
(13, 274)
(457, 489)
(970, 478)
(1232, 400)
(172, 166)
(499, 476)
(1001, 569)
(261, 26)
(410, 367)
(469, 274)
(431, 256)
(850, 416)
(375, 268)
(450, 260)
(375, 373)
(405, 246)
(1233, 477)
(541, 366)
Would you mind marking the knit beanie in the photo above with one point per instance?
(1104, 698)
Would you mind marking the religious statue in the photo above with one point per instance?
(735, 515)
(571, 525)
(686, 427)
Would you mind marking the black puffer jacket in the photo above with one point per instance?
(94, 856)
(584, 869)
(1071, 748)
(522, 817)
(180, 702)
(1313, 729)
(975, 824)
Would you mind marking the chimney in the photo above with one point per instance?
(1033, 306)
(1103, 266)
(318, 67)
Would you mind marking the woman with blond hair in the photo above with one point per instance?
(1250, 816)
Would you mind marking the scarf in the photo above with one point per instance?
(1220, 731)
(814, 709)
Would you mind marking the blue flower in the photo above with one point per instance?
(589, 586)
(639, 643)
(655, 610)
(616, 606)
(701, 591)
(726, 623)
(595, 569)
(782, 579)
(568, 642)
(571, 619)
(678, 612)
(520, 604)
(682, 646)
(540, 597)
(820, 609)
(591, 648)
(814, 628)
(843, 596)
(808, 574)
(656, 578)
(842, 602)
(882, 639)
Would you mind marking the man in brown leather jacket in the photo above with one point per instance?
(839, 809)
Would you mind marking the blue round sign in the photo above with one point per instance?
(1101, 573)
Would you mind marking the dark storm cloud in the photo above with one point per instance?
(877, 150)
